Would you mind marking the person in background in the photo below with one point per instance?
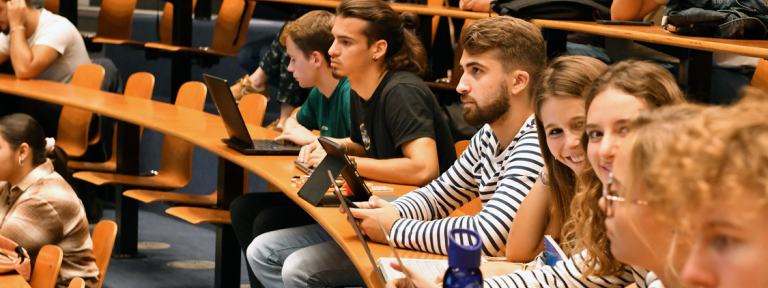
(729, 72)
(37, 206)
(559, 107)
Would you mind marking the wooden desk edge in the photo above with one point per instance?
(358, 257)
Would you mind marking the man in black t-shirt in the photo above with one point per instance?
(398, 133)
(401, 109)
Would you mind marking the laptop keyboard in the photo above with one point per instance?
(263, 144)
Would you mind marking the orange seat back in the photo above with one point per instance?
(253, 107)
(176, 154)
(72, 135)
(166, 23)
(103, 241)
(232, 23)
(760, 78)
(47, 266)
(115, 19)
(77, 282)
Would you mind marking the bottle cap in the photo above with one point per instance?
(464, 256)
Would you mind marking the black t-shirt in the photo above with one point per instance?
(401, 109)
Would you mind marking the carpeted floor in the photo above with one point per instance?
(187, 242)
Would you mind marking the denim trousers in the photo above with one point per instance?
(303, 256)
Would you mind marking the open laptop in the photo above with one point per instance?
(430, 268)
(240, 139)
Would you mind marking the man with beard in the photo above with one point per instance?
(502, 59)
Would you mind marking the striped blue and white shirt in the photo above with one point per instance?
(500, 176)
(567, 274)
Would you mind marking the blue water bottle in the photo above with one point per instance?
(464, 261)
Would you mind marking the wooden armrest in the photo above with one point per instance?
(155, 182)
(151, 196)
(110, 166)
(201, 51)
(197, 215)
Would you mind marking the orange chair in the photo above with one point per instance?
(760, 78)
(139, 85)
(103, 240)
(227, 29)
(77, 282)
(176, 154)
(252, 107)
(52, 5)
(115, 22)
(460, 147)
(74, 124)
(475, 205)
(47, 266)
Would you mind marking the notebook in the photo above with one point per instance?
(431, 268)
(240, 139)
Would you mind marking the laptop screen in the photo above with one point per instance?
(227, 107)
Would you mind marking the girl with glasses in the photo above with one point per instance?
(637, 234)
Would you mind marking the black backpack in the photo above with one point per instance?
(731, 19)
(584, 10)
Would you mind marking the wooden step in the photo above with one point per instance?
(151, 196)
(196, 215)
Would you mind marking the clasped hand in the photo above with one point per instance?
(17, 13)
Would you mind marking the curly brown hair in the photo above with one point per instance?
(656, 87)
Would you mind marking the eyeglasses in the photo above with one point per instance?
(609, 195)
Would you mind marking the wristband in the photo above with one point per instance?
(17, 28)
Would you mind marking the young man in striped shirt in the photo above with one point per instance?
(502, 60)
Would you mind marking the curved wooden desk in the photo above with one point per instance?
(13, 281)
(206, 130)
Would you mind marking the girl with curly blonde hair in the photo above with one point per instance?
(716, 189)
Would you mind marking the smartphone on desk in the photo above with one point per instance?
(303, 167)
(630, 23)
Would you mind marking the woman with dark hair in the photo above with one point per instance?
(37, 207)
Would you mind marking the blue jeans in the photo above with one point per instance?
(303, 256)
